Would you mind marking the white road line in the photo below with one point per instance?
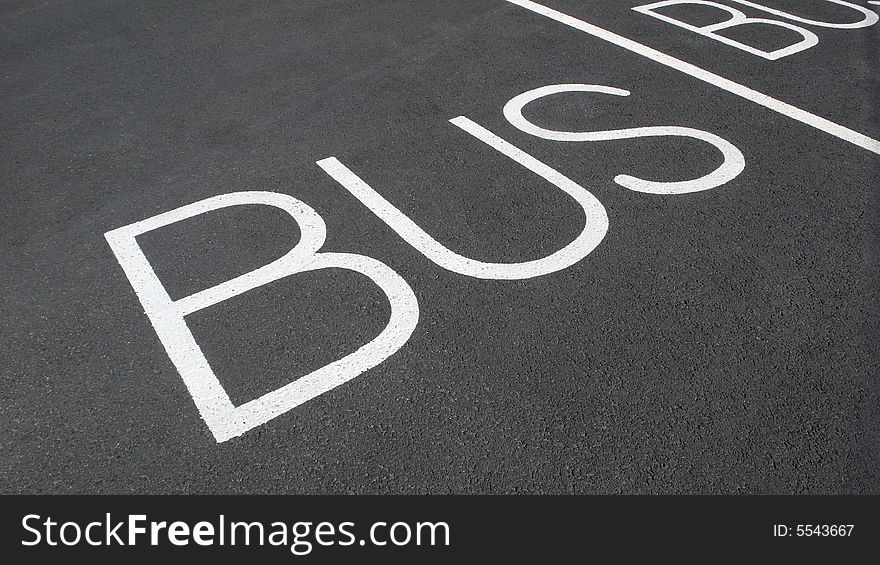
(769, 102)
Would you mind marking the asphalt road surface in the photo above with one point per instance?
(711, 329)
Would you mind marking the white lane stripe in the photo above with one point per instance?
(769, 102)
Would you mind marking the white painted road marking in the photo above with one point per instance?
(869, 18)
(595, 221)
(745, 92)
(733, 164)
(737, 18)
(168, 316)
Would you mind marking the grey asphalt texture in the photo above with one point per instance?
(718, 342)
